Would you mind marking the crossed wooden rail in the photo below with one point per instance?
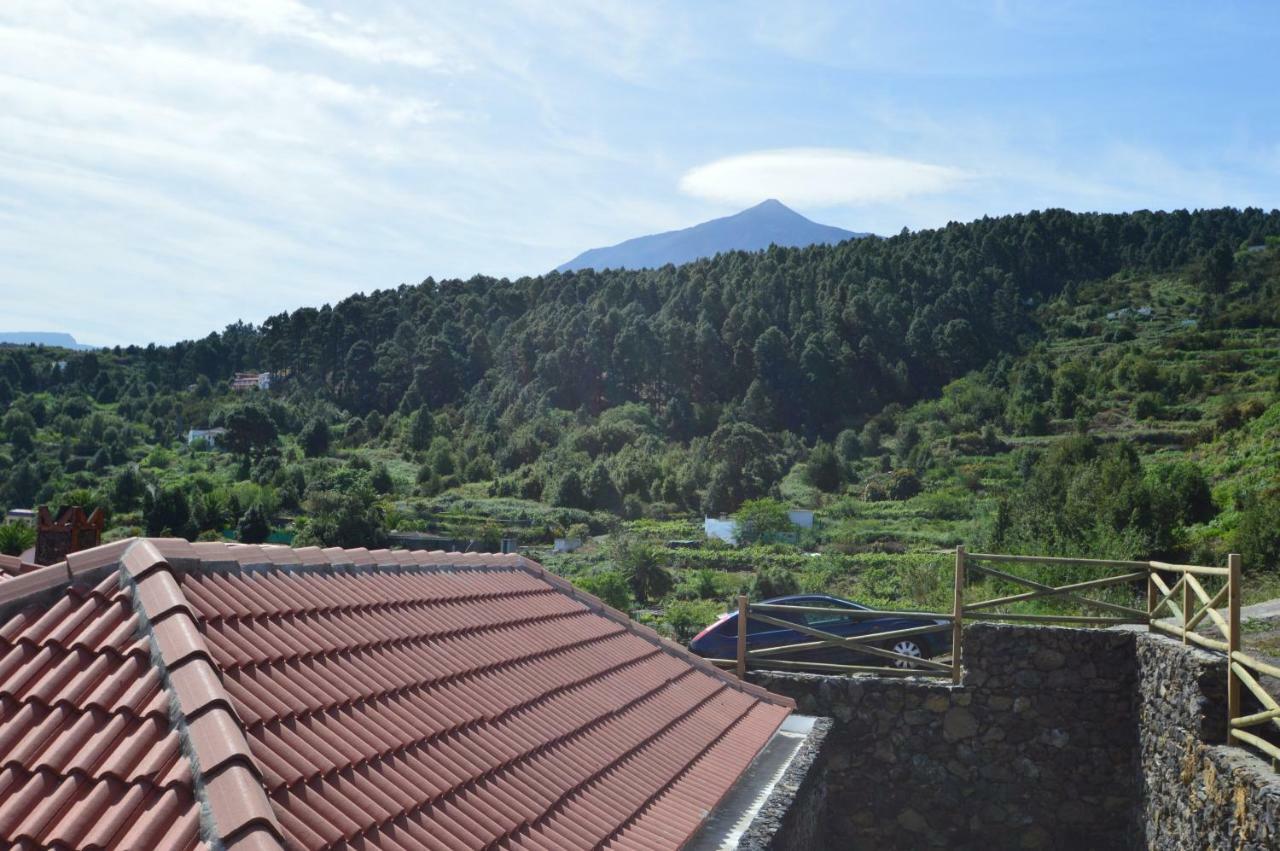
(867, 644)
(1175, 606)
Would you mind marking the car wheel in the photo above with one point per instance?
(907, 647)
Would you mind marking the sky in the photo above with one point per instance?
(168, 167)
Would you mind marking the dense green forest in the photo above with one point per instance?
(1053, 382)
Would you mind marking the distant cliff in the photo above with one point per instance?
(40, 338)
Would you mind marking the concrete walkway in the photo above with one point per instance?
(1264, 611)
(1259, 611)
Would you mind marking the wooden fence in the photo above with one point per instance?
(1180, 598)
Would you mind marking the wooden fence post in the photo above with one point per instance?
(1186, 608)
(743, 608)
(1233, 638)
(957, 614)
(1151, 597)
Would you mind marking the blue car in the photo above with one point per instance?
(720, 640)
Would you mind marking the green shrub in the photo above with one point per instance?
(315, 438)
(899, 485)
(772, 582)
(637, 561)
(16, 538)
(380, 479)
(610, 586)
(823, 470)
(946, 505)
(702, 584)
(254, 527)
(686, 618)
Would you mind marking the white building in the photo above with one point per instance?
(726, 528)
(208, 435)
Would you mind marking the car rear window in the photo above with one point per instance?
(730, 626)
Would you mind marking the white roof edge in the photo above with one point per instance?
(726, 824)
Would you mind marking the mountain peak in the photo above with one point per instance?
(768, 223)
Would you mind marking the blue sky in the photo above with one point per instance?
(170, 166)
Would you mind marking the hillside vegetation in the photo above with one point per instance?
(1052, 382)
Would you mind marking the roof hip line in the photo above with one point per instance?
(234, 811)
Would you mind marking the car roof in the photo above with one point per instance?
(788, 598)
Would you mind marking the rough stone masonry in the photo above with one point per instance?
(1057, 738)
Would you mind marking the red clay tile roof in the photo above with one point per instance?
(89, 757)
(159, 694)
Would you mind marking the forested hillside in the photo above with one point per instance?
(945, 384)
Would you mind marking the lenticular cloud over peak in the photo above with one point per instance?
(817, 177)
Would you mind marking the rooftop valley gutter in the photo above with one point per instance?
(731, 818)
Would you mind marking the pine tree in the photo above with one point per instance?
(254, 527)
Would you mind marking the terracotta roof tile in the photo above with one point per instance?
(351, 698)
(89, 755)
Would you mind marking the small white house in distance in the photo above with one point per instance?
(726, 528)
(208, 435)
(20, 515)
(566, 545)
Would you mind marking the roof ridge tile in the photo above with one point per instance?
(86, 565)
(179, 553)
(354, 555)
(217, 737)
(196, 686)
(238, 803)
(26, 587)
(224, 774)
(177, 638)
(158, 595)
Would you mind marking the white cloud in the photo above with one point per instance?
(365, 40)
(818, 177)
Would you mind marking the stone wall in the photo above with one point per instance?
(1197, 792)
(1058, 738)
(1035, 750)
